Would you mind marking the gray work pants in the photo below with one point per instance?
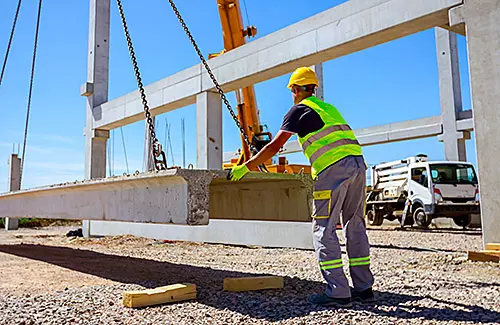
(340, 189)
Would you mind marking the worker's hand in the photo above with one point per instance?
(238, 172)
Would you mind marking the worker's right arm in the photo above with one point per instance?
(269, 150)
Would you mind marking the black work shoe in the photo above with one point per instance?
(366, 296)
(324, 300)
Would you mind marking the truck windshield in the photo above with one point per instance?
(453, 174)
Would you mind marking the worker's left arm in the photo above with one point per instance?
(269, 150)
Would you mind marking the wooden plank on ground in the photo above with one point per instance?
(491, 252)
(493, 247)
(254, 283)
(482, 257)
(160, 295)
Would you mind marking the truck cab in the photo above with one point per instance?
(415, 191)
(443, 189)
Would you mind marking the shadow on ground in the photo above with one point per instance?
(468, 232)
(272, 305)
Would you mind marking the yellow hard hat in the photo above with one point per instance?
(303, 76)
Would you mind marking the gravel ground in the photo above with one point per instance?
(422, 277)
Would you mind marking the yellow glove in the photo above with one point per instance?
(238, 172)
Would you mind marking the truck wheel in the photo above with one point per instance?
(374, 219)
(462, 221)
(421, 218)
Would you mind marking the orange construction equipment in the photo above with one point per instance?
(248, 114)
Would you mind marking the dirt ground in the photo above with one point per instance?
(421, 277)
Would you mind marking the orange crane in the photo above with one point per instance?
(234, 35)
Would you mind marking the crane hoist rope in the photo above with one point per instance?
(35, 46)
(10, 40)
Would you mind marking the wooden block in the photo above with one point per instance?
(482, 257)
(491, 252)
(493, 247)
(254, 283)
(160, 295)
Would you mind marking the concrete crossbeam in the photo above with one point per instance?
(344, 29)
(483, 42)
(393, 132)
(177, 196)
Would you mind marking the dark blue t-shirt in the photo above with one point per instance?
(302, 120)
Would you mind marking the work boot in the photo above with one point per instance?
(366, 296)
(324, 300)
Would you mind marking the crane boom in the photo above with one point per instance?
(234, 36)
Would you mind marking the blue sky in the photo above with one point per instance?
(392, 82)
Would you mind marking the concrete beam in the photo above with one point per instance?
(483, 41)
(14, 185)
(177, 196)
(450, 94)
(344, 29)
(232, 232)
(387, 133)
(208, 130)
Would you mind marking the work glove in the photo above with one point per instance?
(238, 172)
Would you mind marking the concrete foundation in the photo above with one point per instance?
(483, 41)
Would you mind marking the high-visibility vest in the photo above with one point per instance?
(334, 141)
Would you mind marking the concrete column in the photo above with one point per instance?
(14, 185)
(208, 131)
(320, 92)
(451, 96)
(96, 91)
(483, 41)
(148, 162)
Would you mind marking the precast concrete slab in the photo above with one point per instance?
(177, 196)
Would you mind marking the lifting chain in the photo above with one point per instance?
(158, 154)
(210, 73)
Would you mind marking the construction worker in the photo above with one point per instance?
(338, 167)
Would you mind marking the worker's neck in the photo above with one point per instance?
(301, 96)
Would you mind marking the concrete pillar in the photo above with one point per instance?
(96, 91)
(14, 185)
(320, 92)
(148, 162)
(208, 131)
(483, 41)
(451, 96)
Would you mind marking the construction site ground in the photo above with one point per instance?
(422, 277)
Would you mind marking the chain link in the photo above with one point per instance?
(160, 163)
(210, 73)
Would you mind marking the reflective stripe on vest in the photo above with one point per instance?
(334, 141)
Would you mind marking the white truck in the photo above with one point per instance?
(415, 191)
